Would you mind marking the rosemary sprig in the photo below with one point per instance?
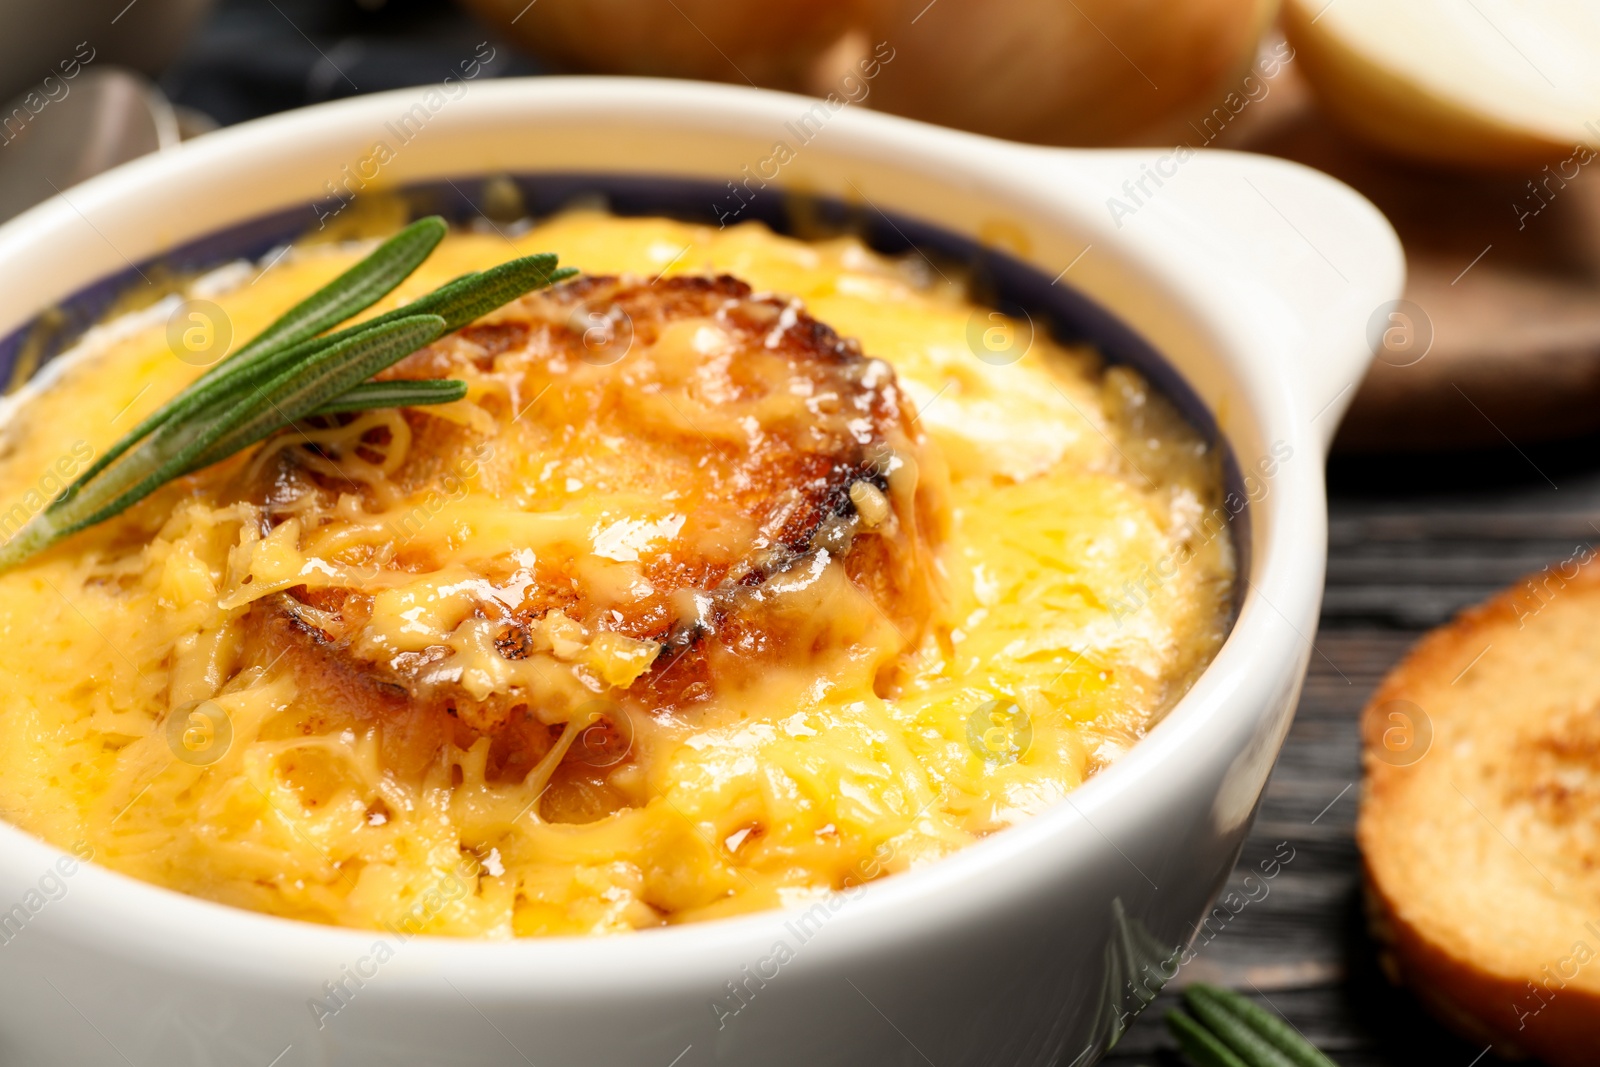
(293, 394)
(1199, 1044)
(290, 371)
(1229, 1030)
(349, 294)
(397, 393)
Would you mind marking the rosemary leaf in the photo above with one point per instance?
(349, 294)
(1285, 1038)
(301, 390)
(368, 395)
(245, 418)
(458, 302)
(352, 292)
(1199, 1044)
(1251, 1047)
(399, 393)
(289, 371)
(474, 295)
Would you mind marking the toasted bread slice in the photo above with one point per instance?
(805, 426)
(1480, 820)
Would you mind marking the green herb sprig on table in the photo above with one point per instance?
(1229, 1030)
(290, 371)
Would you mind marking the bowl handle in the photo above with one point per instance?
(1313, 268)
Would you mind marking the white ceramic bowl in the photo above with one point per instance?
(1254, 278)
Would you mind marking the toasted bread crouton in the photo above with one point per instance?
(773, 438)
(1480, 819)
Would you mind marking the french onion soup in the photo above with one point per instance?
(733, 578)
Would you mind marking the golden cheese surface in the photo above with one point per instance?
(1085, 579)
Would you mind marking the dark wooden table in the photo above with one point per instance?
(1412, 541)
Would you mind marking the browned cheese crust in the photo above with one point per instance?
(803, 426)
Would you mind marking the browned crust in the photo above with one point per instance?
(343, 689)
(796, 482)
(1464, 994)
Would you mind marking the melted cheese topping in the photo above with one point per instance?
(1088, 575)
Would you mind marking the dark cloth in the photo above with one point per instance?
(256, 57)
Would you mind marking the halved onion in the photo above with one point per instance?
(1489, 83)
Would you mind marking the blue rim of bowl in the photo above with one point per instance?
(996, 278)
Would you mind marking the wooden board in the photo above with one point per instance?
(1505, 269)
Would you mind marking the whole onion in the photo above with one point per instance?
(1076, 72)
(771, 44)
(1072, 72)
